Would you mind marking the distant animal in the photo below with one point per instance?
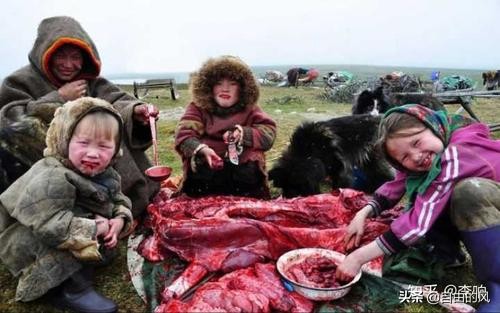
(379, 101)
(491, 80)
(339, 151)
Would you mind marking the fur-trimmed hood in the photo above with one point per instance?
(53, 33)
(65, 120)
(215, 69)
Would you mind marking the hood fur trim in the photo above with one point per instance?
(53, 33)
(216, 69)
(65, 120)
(91, 66)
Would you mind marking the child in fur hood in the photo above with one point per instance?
(54, 216)
(223, 133)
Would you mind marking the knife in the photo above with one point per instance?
(232, 151)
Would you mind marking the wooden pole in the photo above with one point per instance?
(487, 96)
(453, 93)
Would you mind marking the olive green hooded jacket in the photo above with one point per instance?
(29, 98)
(47, 226)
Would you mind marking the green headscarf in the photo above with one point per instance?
(442, 125)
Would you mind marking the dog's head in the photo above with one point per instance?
(298, 176)
(378, 101)
(301, 169)
(371, 102)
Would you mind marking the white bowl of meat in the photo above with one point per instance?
(311, 273)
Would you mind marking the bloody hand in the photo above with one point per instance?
(143, 111)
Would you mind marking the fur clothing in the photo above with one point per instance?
(29, 98)
(47, 226)
(205, 122)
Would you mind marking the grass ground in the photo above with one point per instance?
(289, 107)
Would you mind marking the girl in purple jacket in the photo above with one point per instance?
(449, 167)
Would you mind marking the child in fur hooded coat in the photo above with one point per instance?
(52, 217)
(223, 133)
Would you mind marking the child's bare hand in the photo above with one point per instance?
(356, 228)
(354, 232)
(73, 90)
(236, 136)
(115, 227)
(348, 269)
(213, 160)
(102, 224)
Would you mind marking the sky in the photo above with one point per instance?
(157, 36)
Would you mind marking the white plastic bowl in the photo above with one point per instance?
(313, 293)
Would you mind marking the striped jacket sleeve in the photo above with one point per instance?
(389, 194)
(261, 132)
(189, 131)
(457, 163)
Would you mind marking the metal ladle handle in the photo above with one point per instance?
(152, 124)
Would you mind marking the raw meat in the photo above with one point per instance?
(315, 271)
(252, 289)
(225, 233)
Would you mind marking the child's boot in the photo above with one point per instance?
(475, 210)
(77, 294)
(484, 248)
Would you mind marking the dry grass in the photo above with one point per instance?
(289, 107)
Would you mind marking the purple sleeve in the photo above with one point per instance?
(389, 194)
(457, 163)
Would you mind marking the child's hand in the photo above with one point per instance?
(356, 228)
(115, 227)
(235, 134)
(213, 160)
(354, 232)
(102, 225)
(348, 269)
(353, 262)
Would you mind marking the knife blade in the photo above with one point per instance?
(232, 151)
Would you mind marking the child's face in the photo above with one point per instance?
(415, 152)
(66, 63)
(90, 152)
(226, 92)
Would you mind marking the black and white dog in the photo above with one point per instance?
(380, 100)
(340, 150)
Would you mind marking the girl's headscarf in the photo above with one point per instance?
(442, 125)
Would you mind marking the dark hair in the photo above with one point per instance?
(394, 126)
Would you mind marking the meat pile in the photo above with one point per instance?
(314, 271)
(224, 233)
(253, 289)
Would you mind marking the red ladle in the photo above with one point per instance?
(156, 172)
